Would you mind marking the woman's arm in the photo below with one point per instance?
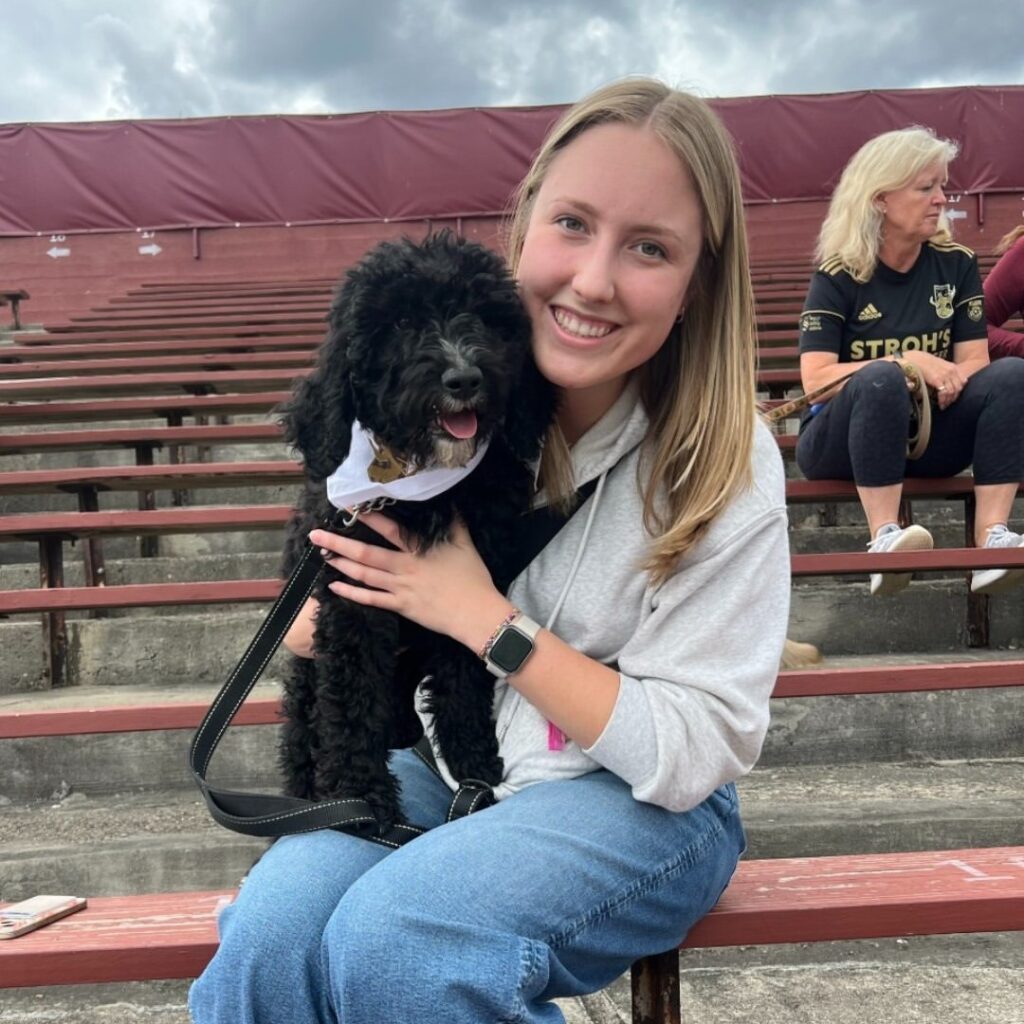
(449, 590)
(1003, 342)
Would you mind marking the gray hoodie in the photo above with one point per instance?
(697, 655)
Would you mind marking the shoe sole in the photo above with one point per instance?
(1013, 578)
(885, 583)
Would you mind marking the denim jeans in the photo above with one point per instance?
(552, 892)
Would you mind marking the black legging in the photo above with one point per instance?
(861, 434)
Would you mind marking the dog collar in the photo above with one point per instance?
(368, 474)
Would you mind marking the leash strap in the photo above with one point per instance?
(916, 444)
(263, 814)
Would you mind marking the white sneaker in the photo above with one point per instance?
(892, 538)
(995, 581)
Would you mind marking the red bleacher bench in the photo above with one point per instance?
(173, 935)
(822, 682)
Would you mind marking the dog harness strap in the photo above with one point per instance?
(472, 794)
(272, 815)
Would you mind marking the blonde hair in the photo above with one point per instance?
(1008, 239)
(698, 389)
(853, 227)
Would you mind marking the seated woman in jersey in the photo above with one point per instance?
(893, 286)
(1004, 296)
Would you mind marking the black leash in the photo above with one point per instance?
(274, 815)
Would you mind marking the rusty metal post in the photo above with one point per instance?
(905, 516)
(655, 984)
(977, 604)
(149, 547)
(55, 635)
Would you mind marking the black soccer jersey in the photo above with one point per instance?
(933, 306)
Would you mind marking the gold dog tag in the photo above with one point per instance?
(386, 466)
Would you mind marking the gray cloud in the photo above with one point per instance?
(94, 59)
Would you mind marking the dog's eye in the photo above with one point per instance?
(403, 323)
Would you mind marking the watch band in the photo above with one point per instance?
(511, 646)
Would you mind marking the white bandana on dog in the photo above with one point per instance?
(350, 484)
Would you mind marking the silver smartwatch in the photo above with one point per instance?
(511, 647)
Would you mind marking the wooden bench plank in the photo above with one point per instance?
(213, 313)
(200, 321)
(207, 380)
(280, 342)
(120, 522)
(821, 899)
(200, 382)
(267, 710)
(966, 675)
(140, 408)
(842, 563)
(137, 595)
(183, 476)
(144, 364)
(58, 334)
(127, 938)
(173, 935)
(134, 437)
(140, 718)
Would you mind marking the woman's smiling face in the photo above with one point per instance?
(612, 242)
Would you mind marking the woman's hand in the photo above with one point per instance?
(446, 589)
(946, 379)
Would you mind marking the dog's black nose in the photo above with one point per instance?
(462, 383)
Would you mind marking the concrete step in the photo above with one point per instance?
(177, 649)
(159, 569)
(922, 980)
(100, 843)
(840, 615)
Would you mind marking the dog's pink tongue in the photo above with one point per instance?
(460, 424)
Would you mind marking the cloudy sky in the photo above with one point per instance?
(73, 60)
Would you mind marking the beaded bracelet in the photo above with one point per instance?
(507, 621)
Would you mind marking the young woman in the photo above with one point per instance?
(892, 287)
(643, 699)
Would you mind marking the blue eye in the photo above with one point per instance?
(651, 249)
(569, 222)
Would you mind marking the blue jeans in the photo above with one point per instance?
(552, 892)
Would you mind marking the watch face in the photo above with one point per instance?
(510, 650)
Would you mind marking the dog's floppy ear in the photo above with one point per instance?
(318, 418)
(534, 398)
(531, 412)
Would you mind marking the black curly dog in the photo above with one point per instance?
(427, 344)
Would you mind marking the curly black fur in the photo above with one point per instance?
(415, 328)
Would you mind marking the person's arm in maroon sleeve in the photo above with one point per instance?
(1004, 298)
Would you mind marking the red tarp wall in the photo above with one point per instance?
(116, 176)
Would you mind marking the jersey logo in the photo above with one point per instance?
(869, 313)
(810, 322)
(942, 300)
(975, 309)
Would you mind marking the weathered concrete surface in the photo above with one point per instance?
(165, 840)
(940, 980)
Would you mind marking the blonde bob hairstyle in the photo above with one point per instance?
(853, 227)
(698, 389)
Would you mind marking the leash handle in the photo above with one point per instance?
(274, 815)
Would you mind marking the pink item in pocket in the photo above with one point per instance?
(556, 738)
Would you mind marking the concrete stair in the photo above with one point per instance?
(109, 814)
